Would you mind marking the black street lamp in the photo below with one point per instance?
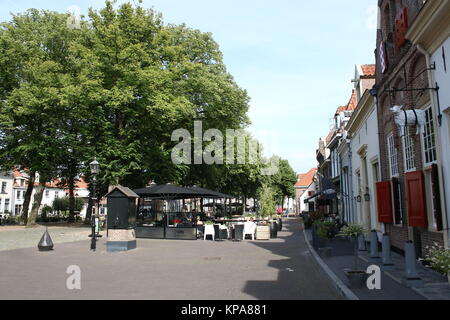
(95, 170)
(367, 195)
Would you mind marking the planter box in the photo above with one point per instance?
(356, 279)
(262, 233)
(325, 252)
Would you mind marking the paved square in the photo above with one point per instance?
(165, 269)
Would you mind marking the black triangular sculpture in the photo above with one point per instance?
(46, 243)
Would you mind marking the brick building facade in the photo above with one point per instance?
(408, 160)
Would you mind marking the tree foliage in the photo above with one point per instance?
(116, 88)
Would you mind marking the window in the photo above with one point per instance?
(376, 170)
(18, 210)
(6, 209)
(19, 193)
(408, 144)
(47, 193)
(429, 139)
(4, 184)
(393, 156)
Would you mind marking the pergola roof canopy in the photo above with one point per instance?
(174, 192)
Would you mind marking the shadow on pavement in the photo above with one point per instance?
(299, 276)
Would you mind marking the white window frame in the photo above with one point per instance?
(429, 135)
(393, 158)
(409, 152)
(432, 225)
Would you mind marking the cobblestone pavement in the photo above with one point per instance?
(279, 269)
(16, 237)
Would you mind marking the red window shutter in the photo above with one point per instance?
(417, 208)
(384, 201)
(436, 197)
(401, 27)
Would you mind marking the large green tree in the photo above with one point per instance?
(115, 88)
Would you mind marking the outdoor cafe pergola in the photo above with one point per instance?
(162, 213)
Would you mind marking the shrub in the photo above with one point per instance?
(312, 217)
(10, 221)
(325, 229)
(439, 259)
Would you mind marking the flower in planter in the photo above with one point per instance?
(352, 231)
(439, 259)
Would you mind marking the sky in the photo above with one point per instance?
(295, 58)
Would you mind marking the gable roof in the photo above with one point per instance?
(126, 191)
(306, 179)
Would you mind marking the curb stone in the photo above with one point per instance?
(340, 286)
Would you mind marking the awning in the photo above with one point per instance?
(328, 190)
(313, 197)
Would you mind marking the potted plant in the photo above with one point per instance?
(439, 259)
(266, 210)
(357, 278)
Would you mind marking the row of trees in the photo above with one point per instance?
(116, 87)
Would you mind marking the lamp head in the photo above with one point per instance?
(95, 167)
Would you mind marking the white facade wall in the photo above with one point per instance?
(347, 200)
(304, 206)
(442, 77)
(50, 194)
(6, 193)
(366, 138)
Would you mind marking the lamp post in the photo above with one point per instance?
(95, 170)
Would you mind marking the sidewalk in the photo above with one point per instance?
(16, 237)
(393, 287)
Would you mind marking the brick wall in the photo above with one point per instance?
(399, 235)
(430, 239)
(406, 70)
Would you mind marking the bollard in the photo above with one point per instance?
(410, 262)
(362, 243)
(374, 253)
(46, 243)
(386, 250)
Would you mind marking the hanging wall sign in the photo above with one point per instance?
(404, 118)
(383, 57)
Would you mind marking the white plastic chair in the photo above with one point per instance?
(249, 229)
(209, 231)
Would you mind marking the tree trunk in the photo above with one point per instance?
(37, 202)
(27, 199)
(71, 200)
